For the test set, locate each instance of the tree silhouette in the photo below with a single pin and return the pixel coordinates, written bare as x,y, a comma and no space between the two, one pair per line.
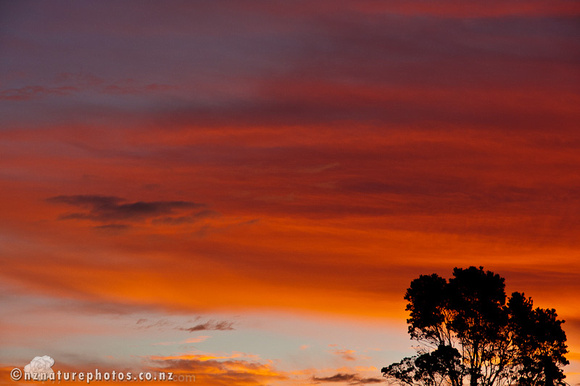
470,335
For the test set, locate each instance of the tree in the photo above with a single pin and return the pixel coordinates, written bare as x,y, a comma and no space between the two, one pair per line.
470,334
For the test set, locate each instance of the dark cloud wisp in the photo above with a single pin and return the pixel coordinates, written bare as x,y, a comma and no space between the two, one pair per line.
210,325
111,208
349,379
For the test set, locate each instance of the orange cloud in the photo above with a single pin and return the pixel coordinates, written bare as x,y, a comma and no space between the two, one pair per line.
219,369
345,354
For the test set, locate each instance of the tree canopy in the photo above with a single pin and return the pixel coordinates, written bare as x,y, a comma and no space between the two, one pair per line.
470,333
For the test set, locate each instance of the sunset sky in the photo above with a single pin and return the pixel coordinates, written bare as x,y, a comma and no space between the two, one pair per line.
243,190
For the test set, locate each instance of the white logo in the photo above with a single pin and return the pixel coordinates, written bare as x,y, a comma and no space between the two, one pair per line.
39,369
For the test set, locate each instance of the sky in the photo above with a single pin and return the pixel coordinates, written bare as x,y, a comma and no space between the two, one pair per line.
243,191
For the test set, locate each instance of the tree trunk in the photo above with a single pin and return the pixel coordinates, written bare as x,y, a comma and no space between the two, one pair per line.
473,376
